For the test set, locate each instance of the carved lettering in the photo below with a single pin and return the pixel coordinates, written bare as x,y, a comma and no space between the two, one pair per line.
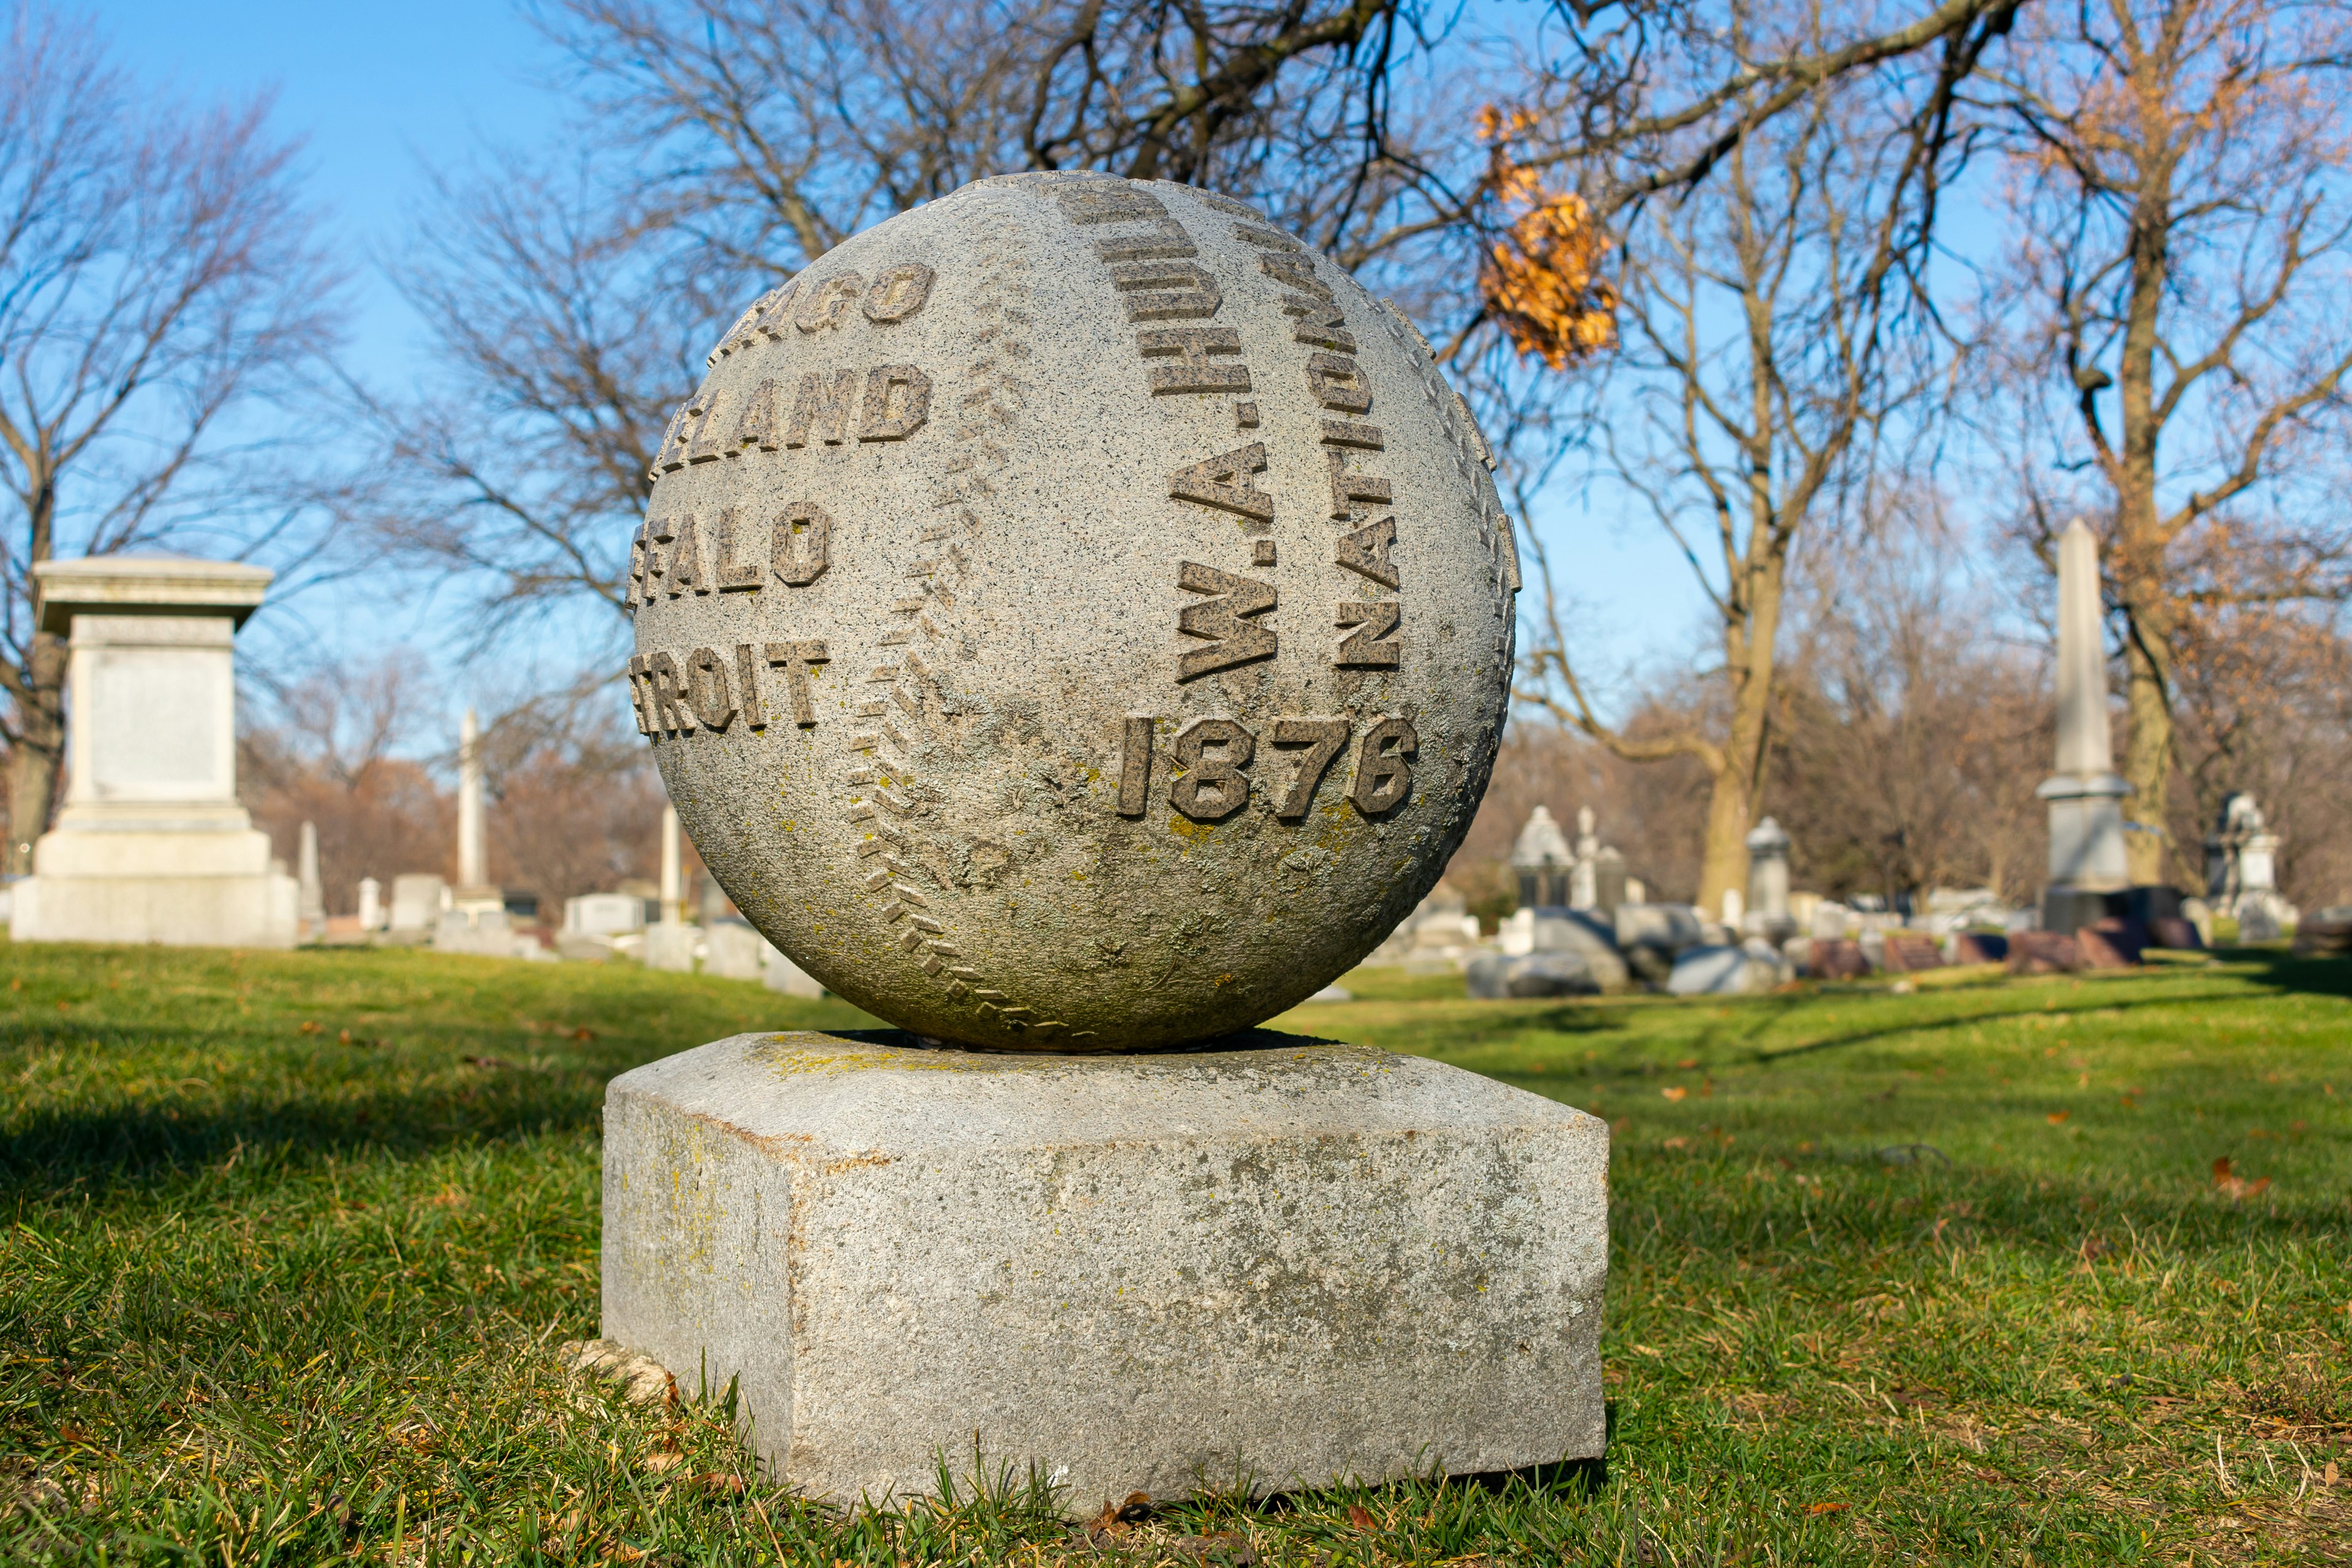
729,570
1166,242
1337,383
1218,620
1295,269
795,658
802,546
1347,486
1319,323
1223,481
1372,645
901,386
1106,200
670,702
823,306
677,437
640,700
1228,204
1325,738
779,312
706,687
639,546
1135,764
899,292
823,407
1192,372
1266,239
1384,776
764,317
656,532
746,686
1246,415
761,424
1262,553
684,566
1211,787
1366,552
1166,291
1348,433
709,444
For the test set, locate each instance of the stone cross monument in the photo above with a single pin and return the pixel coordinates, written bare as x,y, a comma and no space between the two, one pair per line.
150,845
1073,622
2087,867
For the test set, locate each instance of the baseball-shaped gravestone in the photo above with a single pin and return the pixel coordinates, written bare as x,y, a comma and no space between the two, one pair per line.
1074,615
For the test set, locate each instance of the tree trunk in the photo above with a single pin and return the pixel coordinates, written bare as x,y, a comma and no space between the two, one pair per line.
1747,648
2148,755
37,759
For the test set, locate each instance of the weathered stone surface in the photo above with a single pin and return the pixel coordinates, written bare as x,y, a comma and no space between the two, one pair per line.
1297,1260
1007,577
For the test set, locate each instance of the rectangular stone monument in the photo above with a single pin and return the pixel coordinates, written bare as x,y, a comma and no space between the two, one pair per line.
417,900
1284,1260
150,845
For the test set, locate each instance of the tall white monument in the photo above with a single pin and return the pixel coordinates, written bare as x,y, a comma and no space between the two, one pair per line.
151,844
311,921
2085,795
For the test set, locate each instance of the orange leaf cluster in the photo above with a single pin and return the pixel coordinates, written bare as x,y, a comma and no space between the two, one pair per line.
1542,279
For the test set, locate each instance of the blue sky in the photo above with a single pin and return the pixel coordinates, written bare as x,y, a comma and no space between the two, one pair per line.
380,93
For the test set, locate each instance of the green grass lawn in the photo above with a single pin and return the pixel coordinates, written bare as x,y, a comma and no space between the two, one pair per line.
1944,1277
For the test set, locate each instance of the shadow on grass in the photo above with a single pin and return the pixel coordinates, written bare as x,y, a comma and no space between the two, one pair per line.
2089,1004
2285,972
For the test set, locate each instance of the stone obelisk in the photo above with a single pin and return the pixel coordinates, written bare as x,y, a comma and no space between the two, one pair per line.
2087,867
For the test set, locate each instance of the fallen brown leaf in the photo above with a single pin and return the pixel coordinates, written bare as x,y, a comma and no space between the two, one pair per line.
308,1027
1687,1063
2058,1116
1675,1092
1821,1508
2235,1187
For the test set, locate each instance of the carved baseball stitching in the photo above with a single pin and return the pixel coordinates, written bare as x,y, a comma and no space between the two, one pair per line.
990,406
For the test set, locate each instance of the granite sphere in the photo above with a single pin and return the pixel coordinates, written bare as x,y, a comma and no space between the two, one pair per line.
1074,615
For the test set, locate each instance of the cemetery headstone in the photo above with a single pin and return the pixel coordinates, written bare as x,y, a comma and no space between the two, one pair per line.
1907,953
417,900
374,915
1836,959
1491,976
151,844
1768,883
1074,622
2087,864
2043,952
2327,934
1542,861
781,974
1980,947
2110,944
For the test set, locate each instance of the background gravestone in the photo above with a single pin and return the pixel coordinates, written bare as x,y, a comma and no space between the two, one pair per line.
151,844
1074,619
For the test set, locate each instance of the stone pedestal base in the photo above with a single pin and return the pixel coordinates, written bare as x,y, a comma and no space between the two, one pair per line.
1292,1263
200,887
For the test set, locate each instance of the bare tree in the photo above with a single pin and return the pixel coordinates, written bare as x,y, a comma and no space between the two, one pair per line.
729,143
1766,321
156,280
2182,245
